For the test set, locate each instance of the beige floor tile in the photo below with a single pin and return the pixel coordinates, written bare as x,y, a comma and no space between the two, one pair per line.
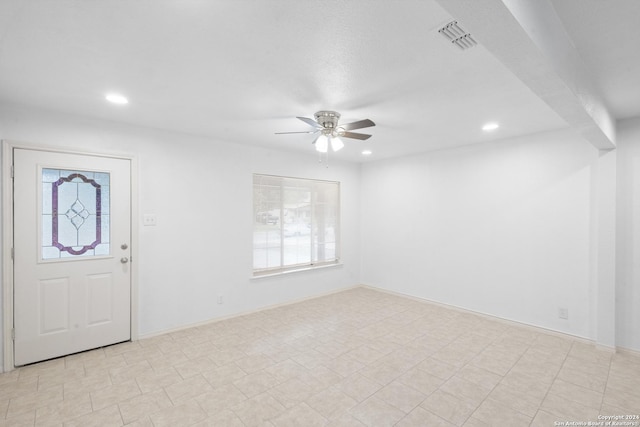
358,387
459,386
528,384
256,383
596,381
452,408
258,409
73,405
496,414
494,361
188,389
89,383
125,373
286,370
59,377
346,420
354,358
154,380
143,405
254,363
100,366
454,354
18,387
624,382
299,415
311,358
31,402
331,403
589,353
364,354
479,376
381,373
401,396
111,395
536,368
565,408
322,376
36,369
109,416
344,366
420,417
576,393
26,419
220,399
225,418
144,422
545,419
291,392
183,415
192,367
438,368
519,400
421,381
474,422
374,412
225,374
630,402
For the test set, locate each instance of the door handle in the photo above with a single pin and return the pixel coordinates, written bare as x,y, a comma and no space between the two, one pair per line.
124,260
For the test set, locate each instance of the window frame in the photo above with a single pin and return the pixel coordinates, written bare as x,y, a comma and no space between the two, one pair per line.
313,186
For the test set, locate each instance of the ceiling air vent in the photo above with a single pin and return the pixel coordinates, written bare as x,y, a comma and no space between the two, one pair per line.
456,35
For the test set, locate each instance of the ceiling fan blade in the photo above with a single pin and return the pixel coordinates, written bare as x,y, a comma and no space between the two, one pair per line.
309,121
286,133
355,135
357,125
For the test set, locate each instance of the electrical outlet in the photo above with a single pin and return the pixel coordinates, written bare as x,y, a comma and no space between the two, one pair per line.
563,313
220,299
149,220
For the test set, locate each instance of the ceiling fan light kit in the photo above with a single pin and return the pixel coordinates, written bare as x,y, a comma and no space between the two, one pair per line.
330,133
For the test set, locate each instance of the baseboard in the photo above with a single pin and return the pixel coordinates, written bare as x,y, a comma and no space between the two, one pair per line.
510,322
242,313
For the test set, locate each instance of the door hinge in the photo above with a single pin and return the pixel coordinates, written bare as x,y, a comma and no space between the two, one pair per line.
12,171
13,254
13,334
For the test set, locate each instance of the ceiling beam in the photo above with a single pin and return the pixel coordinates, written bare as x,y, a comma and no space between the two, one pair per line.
529,39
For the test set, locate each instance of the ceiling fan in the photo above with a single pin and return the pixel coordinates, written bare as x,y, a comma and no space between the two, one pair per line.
329,132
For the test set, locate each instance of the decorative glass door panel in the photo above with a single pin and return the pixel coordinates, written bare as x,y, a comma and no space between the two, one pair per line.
75,213
70,207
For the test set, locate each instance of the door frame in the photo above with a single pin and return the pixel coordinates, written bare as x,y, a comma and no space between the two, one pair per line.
7,239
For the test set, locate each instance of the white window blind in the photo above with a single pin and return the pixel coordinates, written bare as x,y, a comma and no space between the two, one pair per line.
296,223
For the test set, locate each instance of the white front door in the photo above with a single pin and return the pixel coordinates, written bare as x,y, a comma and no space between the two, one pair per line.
72,232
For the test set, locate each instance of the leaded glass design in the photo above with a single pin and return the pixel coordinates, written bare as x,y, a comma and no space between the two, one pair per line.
75,213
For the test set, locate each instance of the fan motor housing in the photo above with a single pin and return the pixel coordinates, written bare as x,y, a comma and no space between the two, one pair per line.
327,119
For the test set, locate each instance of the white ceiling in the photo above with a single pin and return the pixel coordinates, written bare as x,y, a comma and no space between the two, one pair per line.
241,70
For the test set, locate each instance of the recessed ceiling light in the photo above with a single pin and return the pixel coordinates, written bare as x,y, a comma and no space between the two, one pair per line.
367,152
116,98
490,126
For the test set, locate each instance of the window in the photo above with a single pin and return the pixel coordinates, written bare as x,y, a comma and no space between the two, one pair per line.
75,213
296,223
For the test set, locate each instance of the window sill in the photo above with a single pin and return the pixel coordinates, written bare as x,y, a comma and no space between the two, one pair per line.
298,270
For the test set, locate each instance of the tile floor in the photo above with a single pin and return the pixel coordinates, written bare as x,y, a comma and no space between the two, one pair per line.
355,358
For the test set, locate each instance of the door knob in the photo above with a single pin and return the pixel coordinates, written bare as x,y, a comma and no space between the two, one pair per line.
124,260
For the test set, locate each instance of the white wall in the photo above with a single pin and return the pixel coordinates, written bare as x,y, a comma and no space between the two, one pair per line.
628,238
502,228
201,192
